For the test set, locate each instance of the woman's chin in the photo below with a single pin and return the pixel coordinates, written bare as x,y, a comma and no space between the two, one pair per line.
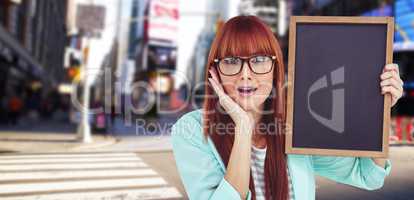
248,106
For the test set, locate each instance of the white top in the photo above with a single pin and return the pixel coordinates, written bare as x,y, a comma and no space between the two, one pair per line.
258,160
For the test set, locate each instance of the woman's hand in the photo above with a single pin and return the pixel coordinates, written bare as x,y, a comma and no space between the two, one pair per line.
243,120
238,168
391,82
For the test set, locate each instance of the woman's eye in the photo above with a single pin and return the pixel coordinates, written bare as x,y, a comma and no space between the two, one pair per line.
258,59
231,61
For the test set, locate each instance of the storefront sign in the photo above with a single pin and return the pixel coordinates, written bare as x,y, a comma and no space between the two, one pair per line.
163,20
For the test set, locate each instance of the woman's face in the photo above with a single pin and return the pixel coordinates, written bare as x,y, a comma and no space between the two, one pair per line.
247,88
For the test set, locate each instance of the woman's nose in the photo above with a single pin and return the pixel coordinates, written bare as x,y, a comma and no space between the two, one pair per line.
246,73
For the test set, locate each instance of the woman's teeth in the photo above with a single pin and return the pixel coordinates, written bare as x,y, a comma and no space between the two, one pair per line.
246,91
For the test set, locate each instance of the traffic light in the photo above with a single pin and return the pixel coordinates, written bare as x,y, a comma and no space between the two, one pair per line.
73,72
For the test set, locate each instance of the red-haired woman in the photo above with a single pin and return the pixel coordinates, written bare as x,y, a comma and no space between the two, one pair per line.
234,147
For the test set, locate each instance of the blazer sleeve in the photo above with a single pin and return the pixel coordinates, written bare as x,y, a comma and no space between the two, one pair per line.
199,170
356,171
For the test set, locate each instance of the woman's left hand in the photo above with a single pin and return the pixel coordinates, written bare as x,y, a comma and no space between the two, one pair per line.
391,82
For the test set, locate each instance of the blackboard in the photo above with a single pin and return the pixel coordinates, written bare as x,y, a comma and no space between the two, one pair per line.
334,104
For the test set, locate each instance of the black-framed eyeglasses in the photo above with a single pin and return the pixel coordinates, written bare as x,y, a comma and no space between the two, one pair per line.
258,64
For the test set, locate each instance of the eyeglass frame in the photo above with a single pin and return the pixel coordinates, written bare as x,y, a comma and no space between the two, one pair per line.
243,59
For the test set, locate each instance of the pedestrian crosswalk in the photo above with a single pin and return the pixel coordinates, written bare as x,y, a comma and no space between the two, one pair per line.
81,176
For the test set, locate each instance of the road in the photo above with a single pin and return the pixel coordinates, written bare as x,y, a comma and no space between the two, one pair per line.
152,175
87,175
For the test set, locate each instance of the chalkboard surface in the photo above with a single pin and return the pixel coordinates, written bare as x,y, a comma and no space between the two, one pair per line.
335,106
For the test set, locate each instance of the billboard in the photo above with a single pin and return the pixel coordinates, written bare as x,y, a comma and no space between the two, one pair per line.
163,20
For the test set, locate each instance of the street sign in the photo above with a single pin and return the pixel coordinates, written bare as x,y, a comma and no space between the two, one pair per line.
334,105
90,19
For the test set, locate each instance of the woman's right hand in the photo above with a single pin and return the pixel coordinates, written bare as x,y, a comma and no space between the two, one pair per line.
243,120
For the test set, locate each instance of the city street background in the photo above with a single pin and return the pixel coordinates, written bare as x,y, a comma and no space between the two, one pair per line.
89,90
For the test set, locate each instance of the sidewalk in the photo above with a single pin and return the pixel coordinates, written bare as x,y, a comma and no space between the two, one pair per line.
47,135
139,144
56,135
29,142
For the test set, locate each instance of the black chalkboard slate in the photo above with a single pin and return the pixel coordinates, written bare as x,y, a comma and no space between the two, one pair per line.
335,106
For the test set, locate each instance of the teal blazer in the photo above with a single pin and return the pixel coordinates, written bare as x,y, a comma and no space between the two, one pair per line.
202,170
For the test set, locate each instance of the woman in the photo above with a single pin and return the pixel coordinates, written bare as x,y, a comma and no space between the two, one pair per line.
238,152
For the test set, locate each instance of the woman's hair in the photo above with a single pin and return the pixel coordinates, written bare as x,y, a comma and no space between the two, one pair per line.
245,36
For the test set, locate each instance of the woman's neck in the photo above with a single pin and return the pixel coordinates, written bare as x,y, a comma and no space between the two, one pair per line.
257,114
258,138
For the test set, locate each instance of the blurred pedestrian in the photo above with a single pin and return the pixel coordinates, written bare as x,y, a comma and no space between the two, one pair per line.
15,107
3,111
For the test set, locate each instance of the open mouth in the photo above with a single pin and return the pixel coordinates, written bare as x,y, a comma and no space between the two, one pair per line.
246,91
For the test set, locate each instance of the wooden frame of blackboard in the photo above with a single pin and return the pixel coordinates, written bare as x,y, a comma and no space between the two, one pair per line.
289,148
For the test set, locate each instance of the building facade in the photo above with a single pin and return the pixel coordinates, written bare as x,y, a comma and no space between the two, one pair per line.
34,33
32,42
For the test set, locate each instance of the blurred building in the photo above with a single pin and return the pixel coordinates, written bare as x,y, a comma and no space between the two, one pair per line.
38,26
32,42
147,45
334,7
267,10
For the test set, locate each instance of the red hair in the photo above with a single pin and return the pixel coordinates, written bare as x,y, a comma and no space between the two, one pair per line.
245,36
